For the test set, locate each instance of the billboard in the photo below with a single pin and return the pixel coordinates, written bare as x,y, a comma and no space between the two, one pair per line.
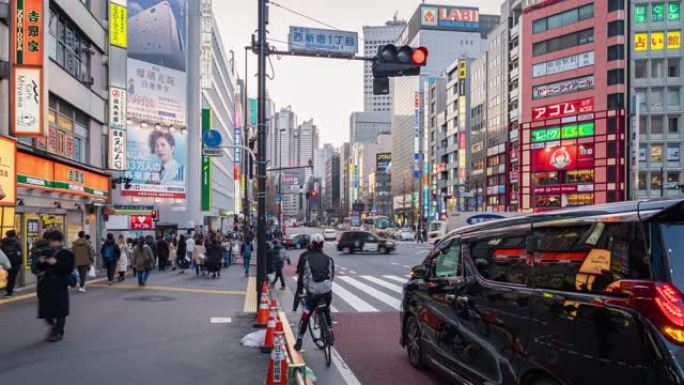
446,17
563,87
8,172
563,158
563,64
156,98
559,110
382,161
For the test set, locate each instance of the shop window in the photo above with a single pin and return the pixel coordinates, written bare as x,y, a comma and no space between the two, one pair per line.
616,52
611,149
657,98
643,175
673,67
546,178
657,12
673,97
547,201
673,176
673,152
611,196
657,124
582,199
615,5
674,11
616,76
579,176
616,100
641,69
656,153
502,258
657,68
641,95
611,174
616,28
68,47
673,124
589,258
642,151
611,125
656,180
643,124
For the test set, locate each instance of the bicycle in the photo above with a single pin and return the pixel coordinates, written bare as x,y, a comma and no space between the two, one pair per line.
319,329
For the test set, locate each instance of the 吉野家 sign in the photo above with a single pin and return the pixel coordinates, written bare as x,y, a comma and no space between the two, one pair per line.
570,131
27,32
562,109
118,15
117,149
563,87
314,40
117,108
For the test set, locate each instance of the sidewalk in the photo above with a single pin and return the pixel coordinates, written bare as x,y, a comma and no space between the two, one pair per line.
127,335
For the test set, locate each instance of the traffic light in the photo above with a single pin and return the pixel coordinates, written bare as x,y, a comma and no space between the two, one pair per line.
154,214
678,187
391,61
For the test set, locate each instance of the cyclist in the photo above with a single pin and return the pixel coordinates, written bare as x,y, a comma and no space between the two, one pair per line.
315,271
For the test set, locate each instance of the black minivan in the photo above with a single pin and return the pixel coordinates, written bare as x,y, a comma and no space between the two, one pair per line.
363,241
583,296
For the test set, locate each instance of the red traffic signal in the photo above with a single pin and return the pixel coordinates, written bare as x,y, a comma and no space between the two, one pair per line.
154,214
419,56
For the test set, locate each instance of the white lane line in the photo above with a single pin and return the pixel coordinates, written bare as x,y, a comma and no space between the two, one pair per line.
343,268
344,370
352,271
406,266
220,320
393,302
385,284
333,309
357,303
394,263
407,276
395,278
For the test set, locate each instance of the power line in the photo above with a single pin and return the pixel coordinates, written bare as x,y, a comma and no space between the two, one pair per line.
307,17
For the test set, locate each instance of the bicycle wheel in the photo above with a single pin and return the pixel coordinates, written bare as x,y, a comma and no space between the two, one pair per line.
315,330
325,337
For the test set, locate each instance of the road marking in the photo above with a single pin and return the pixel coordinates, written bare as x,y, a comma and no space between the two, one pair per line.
393,302
395,278
250,304
407,276
382,283
357,303
343,268
352,271
220,320
5,300
394,263
346,373
406,266
171,288
333,309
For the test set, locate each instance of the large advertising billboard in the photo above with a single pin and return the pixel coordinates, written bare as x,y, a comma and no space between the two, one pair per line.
157,98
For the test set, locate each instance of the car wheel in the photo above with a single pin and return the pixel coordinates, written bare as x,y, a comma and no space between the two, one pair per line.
387,250
299,245
347,250
414,344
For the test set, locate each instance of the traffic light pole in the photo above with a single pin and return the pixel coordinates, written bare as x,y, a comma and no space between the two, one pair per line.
261,144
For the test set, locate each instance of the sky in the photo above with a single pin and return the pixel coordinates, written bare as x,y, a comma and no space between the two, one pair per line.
327,90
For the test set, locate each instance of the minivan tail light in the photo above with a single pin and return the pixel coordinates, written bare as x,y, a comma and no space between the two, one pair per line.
660,302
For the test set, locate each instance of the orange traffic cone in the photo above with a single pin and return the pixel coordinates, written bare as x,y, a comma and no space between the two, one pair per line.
263,313
264,288
267,346
277,365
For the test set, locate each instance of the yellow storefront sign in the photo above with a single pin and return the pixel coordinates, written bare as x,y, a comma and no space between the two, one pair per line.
657,41
8,172
674,39
118,27
640,41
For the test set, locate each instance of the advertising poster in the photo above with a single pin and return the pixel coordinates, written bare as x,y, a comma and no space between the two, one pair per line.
382,161
563,87
27,101
563,158
156,98
8,173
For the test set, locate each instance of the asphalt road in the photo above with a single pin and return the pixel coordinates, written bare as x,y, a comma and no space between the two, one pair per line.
366,302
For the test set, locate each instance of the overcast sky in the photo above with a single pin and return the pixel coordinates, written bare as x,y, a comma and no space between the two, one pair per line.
324,89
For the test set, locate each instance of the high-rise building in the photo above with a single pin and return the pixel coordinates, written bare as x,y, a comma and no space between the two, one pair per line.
364,127
446,42
283,139
333,185
436,143
345,178
656,115
306,142
373,37
363,164
572,131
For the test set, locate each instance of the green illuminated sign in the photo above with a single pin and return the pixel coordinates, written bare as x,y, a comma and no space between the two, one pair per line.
566,132
640,16
673,11
657,12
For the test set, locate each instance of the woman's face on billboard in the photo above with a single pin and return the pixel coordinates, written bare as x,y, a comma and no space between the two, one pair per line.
163,149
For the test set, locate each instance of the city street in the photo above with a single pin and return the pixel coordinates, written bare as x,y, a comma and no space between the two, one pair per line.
366,301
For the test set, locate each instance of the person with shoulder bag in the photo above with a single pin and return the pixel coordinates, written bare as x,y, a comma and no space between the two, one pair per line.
110,255
85,256
56,265
143,260
12,248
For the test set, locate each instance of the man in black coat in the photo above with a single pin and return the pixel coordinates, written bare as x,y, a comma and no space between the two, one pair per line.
55,268
162,253
12,248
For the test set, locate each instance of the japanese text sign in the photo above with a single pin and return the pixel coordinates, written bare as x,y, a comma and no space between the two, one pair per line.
303,39
27,17
117,25
141,222
558,110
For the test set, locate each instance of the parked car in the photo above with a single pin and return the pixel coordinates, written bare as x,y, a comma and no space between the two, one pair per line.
591,295
405,234
329,234
296,241
363,241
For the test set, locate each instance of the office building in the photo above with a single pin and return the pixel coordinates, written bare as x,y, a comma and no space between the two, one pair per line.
306,142
373,37
364,127
333,189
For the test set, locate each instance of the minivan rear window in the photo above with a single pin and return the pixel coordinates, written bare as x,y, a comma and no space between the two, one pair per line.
673,242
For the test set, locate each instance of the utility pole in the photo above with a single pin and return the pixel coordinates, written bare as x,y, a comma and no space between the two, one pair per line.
261,140
247,161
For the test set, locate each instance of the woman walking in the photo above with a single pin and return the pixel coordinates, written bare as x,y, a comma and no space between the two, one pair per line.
173,253
143,260
214,257
198,255
124,259
246,251
181,254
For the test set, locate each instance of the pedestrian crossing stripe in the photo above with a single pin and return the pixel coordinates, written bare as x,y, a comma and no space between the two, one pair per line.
391,301
380,282
357,303
395,278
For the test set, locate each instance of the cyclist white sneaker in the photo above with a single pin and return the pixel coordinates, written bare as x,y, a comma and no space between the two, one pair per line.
81,290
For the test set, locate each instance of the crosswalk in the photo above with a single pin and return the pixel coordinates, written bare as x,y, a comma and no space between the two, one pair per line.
367,293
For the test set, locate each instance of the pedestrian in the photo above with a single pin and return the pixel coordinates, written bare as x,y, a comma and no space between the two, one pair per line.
198,255
279,258
225,245
124,259
55,266
153,246
132,243
181,254
173,253
189,250
162,253
12,248
214,257
110,255
143,260
246,251
85,257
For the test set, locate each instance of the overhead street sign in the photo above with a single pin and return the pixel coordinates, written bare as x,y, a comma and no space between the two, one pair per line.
324,41
212,151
